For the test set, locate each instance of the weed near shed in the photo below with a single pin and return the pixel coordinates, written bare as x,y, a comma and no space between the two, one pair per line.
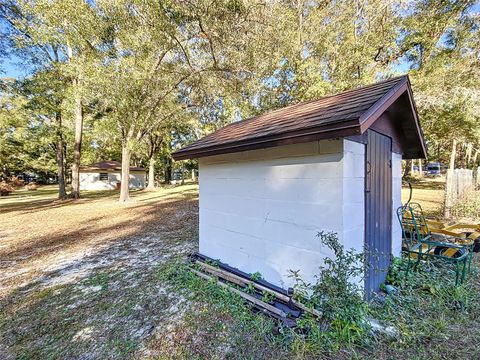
468,206
436,319
433,318
215,321
220,324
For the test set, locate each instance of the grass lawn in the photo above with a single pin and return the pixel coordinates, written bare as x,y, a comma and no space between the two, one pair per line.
86,279
429,193
77,278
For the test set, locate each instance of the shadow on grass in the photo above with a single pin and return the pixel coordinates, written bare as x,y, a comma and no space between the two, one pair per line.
102,303
41,191
146,218
425,183
44,199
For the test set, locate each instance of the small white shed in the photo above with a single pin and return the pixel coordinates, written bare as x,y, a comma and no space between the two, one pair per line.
270,183
107,175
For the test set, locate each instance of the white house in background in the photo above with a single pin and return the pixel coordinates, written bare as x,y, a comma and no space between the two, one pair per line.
270,183
106,175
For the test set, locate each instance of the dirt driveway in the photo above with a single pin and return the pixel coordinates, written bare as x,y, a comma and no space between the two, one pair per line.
77,278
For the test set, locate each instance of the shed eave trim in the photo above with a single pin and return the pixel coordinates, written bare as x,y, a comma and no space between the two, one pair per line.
272,141
376,110
417,122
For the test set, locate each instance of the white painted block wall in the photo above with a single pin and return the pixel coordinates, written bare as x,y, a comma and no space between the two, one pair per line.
353,195
261,210
91,181
396,203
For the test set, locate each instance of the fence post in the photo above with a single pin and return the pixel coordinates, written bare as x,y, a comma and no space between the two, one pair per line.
449,182
457,182
453,155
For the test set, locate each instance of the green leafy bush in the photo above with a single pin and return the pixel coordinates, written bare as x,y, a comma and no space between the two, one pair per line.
337,294
426,310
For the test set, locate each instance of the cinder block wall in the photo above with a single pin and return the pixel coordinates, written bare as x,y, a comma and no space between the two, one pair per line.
353,195
396,203
137,180
261,210
91,180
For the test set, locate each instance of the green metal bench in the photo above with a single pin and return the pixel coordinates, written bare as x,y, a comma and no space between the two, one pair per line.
420,244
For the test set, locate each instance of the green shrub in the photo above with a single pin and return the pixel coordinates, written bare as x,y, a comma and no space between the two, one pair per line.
334,294
425,309
337,294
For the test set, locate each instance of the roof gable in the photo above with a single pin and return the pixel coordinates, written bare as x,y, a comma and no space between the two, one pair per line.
348,113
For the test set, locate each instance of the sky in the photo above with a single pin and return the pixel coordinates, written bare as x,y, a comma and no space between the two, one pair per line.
12,66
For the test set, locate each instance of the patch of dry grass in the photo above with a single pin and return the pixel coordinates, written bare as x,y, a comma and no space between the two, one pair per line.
467,208
39,232
429,193
78,277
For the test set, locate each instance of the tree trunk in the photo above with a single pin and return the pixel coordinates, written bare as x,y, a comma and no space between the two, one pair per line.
420,168
77,147
408,167
151,174
124,190
168,170
469,154
62,193
6,172
453,155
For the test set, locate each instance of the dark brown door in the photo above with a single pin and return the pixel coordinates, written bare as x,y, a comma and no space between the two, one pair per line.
378,210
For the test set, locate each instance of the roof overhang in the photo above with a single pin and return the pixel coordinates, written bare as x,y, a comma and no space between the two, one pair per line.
408,117
296,137
407,110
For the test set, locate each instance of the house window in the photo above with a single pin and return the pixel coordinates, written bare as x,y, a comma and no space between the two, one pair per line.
104,176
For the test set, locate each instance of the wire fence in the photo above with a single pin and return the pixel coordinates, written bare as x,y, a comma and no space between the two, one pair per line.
458,182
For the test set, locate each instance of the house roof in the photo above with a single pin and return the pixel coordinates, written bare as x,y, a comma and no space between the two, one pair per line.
348,113
108,165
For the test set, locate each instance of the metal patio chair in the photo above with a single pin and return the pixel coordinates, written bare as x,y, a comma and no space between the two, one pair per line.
420,244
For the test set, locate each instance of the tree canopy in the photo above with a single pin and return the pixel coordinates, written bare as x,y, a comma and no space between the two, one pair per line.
138,79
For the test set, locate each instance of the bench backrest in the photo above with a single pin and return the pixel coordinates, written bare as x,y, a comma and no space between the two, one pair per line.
413,223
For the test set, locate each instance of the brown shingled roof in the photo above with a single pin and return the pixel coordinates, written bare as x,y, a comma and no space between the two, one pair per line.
108,165
344,114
